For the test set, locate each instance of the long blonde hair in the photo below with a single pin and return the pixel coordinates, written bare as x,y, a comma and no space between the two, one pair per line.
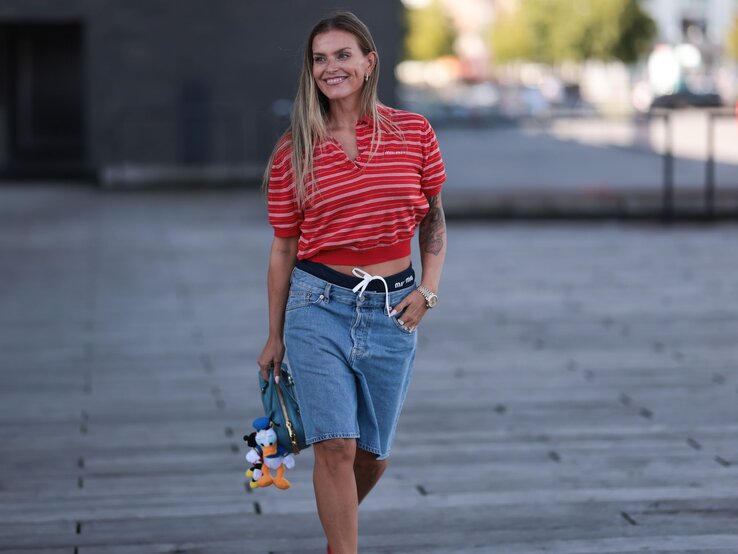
308,124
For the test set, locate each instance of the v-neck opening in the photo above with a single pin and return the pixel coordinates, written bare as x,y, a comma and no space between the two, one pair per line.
360,153
361,128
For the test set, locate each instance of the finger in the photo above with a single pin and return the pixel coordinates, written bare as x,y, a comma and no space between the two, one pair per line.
277,370
408,312
401,306
406,302
263,371
412,315
408,323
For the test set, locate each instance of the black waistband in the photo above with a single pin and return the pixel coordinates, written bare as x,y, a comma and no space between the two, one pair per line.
397,281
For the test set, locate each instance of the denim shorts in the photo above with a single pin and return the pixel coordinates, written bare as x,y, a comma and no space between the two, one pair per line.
350,361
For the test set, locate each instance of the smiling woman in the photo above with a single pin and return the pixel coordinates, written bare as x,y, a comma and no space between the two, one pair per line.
348,185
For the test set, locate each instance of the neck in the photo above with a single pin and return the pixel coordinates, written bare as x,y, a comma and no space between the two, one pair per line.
344,113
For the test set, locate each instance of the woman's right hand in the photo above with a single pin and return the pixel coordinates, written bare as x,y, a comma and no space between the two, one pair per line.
271,358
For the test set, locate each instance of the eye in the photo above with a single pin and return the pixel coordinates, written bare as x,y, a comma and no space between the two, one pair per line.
344,56
318,59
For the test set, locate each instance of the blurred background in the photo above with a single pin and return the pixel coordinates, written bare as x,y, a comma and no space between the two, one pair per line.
615,100
512,58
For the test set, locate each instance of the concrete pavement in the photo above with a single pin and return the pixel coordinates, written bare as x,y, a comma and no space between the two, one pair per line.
575,391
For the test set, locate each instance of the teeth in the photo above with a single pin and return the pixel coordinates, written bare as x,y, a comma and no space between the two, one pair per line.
335,80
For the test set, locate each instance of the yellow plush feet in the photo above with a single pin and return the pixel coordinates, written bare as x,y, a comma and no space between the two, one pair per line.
253,477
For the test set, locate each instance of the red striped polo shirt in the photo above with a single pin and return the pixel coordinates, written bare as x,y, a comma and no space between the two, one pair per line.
365,211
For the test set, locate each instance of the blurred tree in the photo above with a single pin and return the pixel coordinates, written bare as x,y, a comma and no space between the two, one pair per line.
513,37
631,31
552,31
429,33
732,43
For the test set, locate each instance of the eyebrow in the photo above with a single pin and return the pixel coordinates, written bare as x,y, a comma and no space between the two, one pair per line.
336,52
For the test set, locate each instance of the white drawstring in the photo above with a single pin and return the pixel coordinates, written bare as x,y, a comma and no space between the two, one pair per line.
368,278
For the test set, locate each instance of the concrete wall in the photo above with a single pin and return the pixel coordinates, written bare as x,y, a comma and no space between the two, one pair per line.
193,83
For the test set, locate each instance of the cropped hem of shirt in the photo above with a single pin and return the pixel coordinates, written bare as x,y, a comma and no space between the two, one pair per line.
286,233
348,256
365,208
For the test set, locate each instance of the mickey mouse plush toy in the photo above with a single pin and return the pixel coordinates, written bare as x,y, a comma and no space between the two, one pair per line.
268,458
254,472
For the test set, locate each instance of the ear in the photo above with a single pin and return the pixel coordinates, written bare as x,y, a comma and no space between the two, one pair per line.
371,59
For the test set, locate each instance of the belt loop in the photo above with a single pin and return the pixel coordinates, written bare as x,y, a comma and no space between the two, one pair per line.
327,292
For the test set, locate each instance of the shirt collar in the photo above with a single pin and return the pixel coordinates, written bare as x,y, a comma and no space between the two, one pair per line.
368,119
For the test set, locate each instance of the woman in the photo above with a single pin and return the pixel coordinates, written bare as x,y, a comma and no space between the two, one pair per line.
347,185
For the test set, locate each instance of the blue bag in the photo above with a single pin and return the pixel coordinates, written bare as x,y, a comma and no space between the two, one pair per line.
280,406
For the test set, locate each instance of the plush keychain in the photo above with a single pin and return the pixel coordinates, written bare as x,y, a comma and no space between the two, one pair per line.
254,472
268,459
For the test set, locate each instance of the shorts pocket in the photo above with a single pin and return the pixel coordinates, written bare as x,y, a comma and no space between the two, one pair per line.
301,298
400,327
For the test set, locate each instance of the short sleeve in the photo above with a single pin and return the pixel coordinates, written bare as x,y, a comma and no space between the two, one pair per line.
433,173
284,215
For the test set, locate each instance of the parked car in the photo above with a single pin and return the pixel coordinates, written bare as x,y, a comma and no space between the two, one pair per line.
686,99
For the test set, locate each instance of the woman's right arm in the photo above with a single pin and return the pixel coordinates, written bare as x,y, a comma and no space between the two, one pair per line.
282,260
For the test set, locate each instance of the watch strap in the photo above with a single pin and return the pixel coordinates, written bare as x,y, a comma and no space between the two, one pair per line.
427,294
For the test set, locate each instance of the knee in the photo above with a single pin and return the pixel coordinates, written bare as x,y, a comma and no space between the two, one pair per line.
335,452
368,464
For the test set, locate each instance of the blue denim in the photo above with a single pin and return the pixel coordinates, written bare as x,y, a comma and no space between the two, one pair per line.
350,361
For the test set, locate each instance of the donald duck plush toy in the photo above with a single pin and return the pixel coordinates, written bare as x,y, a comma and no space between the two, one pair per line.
268,458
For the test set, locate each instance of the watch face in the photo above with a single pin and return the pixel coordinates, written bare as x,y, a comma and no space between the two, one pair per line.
432,300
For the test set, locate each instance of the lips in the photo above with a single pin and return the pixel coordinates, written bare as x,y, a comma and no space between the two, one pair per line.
336,80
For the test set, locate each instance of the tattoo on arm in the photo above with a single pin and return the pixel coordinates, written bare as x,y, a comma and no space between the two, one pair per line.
433,228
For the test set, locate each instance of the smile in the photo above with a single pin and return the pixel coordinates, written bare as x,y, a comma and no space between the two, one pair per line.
336,80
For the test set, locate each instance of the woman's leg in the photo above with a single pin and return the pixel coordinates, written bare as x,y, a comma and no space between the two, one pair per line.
367,471
336,493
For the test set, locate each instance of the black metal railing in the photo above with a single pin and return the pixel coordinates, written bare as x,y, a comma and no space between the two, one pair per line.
667,197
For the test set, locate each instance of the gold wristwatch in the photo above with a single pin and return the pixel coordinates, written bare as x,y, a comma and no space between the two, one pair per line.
431,298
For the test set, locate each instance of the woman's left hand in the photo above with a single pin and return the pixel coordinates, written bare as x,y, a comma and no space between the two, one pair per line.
414,309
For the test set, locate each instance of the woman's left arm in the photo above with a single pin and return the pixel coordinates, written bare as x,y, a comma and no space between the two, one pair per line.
432,238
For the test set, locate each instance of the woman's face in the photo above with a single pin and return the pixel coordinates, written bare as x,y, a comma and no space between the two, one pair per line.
339,65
